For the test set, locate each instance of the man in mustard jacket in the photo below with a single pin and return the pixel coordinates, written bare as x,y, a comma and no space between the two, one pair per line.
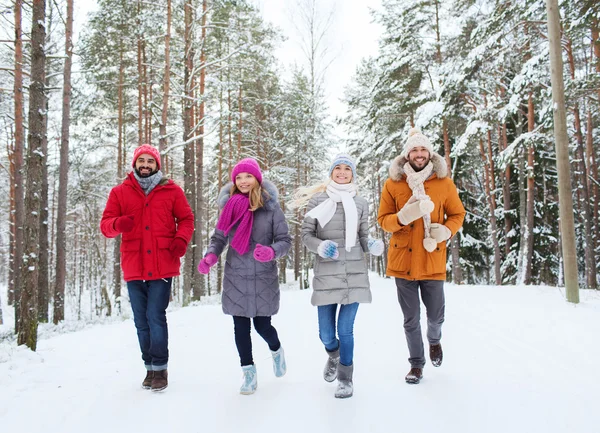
421,208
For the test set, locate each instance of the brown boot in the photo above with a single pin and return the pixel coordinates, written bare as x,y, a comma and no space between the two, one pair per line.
147,383
435,354
414,376
160,381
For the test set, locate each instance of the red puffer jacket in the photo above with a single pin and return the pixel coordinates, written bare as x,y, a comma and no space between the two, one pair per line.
159,218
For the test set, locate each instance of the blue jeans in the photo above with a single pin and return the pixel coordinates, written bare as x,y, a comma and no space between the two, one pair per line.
149,300
243,341
345,330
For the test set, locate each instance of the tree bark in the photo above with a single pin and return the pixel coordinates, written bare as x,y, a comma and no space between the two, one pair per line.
14,294
166,86
61,217
120,159
528,256
28,320
567,225
188,150
199,287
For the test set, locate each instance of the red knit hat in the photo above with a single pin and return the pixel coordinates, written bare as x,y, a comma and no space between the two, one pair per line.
247,165
150,150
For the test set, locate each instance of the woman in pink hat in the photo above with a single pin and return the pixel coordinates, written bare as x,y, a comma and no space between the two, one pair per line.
253,225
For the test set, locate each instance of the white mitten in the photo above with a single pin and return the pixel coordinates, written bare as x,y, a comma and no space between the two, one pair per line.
376,246
429,244
414,211
440,232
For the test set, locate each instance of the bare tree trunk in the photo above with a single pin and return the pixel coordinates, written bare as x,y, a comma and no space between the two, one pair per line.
188,150
120,159
489,192
166,85
240,122
506,196
584,203
28,320
530,194
12,223
199,287
140,101
567,225
592,167
15,294
61,217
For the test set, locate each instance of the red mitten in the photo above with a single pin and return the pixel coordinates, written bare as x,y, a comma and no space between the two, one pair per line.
206,263
263,254
124,224
178,247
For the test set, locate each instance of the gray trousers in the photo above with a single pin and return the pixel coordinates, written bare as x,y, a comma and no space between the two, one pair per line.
432,293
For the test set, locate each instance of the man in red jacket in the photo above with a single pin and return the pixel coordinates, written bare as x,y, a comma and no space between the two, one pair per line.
157,223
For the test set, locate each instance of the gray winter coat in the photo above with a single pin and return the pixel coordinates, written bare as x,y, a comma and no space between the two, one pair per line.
251,288
344,280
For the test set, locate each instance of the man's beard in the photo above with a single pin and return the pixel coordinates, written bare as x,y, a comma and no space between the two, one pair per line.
142,175
416,168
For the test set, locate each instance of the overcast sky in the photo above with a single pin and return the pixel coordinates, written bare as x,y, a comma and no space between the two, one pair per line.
352,36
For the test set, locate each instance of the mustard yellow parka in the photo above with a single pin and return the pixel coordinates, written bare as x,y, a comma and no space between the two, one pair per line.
407,258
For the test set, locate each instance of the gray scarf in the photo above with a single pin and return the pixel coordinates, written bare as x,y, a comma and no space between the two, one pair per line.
150,182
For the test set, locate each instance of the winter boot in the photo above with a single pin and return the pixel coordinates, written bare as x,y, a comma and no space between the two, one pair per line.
435,354
330,371
345,386
414,376
159,382
279,366
250,383
147,383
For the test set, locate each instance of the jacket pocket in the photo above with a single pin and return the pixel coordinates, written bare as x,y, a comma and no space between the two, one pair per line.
399,254
436,260
167,263
131,262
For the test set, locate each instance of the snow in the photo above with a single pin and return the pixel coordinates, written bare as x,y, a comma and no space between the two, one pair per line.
517,359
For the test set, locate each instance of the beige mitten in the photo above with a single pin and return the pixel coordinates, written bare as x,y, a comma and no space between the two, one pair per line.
440,232
413,211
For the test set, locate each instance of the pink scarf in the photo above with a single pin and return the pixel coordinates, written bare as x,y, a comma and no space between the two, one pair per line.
237,209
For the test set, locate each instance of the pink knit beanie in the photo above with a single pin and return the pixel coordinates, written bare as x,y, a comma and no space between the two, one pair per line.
247,165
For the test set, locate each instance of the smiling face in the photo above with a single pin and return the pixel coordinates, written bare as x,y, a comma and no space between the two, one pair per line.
418,158
342,174
145,165
245,182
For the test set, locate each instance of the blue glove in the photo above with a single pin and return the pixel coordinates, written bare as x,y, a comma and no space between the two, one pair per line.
376,246
328,250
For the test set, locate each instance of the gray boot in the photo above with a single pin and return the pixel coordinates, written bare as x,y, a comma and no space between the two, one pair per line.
345,387
330,371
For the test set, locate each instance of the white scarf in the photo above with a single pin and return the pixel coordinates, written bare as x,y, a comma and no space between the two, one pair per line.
415,181
324,212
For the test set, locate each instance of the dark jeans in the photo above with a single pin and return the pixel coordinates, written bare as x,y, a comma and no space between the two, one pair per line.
241,328
432,293
149,301
345,330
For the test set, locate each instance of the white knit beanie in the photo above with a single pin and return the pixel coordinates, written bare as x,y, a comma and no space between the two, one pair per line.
416,139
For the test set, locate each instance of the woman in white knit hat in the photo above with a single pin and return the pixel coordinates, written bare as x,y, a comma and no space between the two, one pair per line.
335,228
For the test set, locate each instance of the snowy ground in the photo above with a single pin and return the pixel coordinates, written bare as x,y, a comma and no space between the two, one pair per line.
516,359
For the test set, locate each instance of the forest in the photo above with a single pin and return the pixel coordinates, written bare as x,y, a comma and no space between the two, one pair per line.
199,79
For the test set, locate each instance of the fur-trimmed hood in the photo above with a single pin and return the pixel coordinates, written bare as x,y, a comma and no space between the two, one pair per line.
397,167
270,201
